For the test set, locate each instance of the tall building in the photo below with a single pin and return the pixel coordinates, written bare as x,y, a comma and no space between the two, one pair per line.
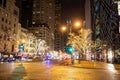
104,25
44,13
41,32
9,26
25,10
58,34
87,15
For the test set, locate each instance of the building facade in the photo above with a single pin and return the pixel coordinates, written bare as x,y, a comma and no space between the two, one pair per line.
58,33
118,2
44,13
87,15
105,27
9,26
41,32
27,39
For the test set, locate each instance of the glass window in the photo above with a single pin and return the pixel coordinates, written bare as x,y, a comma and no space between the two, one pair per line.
6,20
119,8
38,11
50,4
97,7
14,25
6,14
15,12
119,11
33,22
33,12
2,19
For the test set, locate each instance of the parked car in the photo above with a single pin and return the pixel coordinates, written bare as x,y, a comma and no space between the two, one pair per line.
7,58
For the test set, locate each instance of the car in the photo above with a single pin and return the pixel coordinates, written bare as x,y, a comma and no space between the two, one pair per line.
7,58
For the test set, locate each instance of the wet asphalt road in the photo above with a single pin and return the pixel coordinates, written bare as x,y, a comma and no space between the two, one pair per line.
48,71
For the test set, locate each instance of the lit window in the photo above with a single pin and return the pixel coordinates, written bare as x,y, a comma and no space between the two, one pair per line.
118,6
6,14
50,3
97,7
119,11
50,17
34,5
33,12
33,22
42,12
38,11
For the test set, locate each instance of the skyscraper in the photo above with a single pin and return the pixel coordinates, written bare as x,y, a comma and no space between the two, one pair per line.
58,34
44,13
41,14
25,12
104,25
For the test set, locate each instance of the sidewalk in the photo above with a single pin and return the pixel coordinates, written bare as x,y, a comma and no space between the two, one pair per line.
96,65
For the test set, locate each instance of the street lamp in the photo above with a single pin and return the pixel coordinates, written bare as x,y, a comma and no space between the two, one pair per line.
75,24
70,25
23,41
63,28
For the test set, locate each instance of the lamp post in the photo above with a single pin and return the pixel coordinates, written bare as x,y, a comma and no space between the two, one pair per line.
75,24
70,26
69,22
63,29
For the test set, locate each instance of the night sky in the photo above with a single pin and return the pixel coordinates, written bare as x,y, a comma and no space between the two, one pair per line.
72,9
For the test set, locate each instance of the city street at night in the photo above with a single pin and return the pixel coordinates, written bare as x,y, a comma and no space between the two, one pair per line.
48,71
59,39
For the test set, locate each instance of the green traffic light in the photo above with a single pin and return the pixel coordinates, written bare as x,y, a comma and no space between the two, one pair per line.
69,49
21,47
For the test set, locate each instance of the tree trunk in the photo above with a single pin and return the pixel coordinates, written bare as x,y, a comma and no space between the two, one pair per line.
79,59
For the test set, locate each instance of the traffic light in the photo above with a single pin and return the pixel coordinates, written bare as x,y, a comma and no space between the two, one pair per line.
21,47
69,49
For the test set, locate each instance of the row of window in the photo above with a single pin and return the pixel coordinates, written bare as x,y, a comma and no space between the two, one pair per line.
10,23
6,29
3,19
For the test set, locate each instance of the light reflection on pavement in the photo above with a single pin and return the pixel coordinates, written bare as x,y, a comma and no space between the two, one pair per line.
111,68
48,71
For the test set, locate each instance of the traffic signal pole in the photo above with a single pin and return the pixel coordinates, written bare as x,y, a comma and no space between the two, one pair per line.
69,50
72,59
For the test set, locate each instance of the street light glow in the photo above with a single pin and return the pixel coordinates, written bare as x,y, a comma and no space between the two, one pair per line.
77,24
63,28
23,41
